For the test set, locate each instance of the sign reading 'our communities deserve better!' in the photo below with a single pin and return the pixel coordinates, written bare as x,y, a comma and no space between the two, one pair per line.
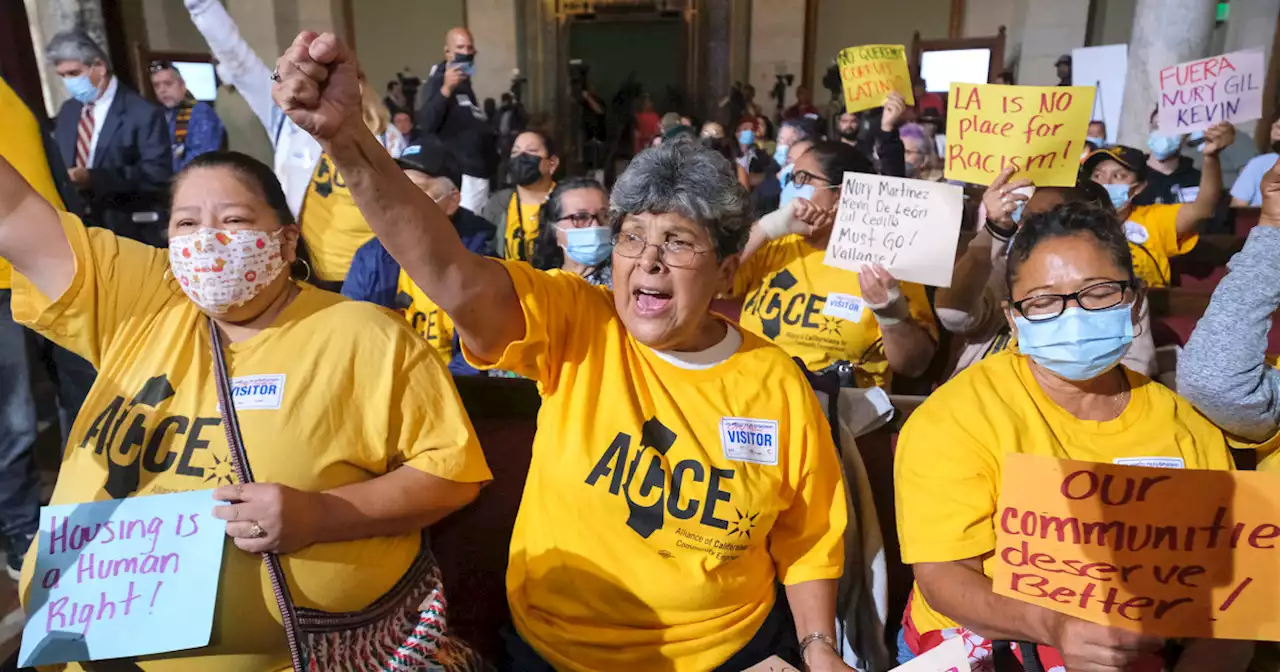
1168,552
122,578
908,226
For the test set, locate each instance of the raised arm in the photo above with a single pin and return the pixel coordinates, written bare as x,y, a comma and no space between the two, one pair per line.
320,92
1223,369
31,237
1192,215
237,62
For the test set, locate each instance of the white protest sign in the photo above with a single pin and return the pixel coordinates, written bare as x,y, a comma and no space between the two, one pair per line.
773,664
949,656
1199,94
908,226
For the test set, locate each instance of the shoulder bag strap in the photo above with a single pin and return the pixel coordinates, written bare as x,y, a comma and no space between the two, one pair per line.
240,461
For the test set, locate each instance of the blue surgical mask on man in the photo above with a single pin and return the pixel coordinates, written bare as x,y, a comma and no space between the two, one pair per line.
588,246
780,154
1079,344
81,88
746,137
1119,194
1162,146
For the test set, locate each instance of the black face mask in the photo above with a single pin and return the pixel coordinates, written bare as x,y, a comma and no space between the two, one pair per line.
525,169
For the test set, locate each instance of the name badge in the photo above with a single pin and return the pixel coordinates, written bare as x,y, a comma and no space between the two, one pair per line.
1188,194
844,306
1136,233
1161,462
258,392
750,440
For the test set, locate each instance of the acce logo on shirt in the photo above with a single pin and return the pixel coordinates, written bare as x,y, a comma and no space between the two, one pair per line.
802,310
133,437
644,487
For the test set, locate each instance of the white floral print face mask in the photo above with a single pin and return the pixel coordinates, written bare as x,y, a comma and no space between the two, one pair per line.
220,270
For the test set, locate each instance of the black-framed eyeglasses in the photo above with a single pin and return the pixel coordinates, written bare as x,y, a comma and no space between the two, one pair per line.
803,178
157,66
582,220
674,253
1099,296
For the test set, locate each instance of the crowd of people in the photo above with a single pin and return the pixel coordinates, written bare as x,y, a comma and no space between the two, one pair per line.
688,504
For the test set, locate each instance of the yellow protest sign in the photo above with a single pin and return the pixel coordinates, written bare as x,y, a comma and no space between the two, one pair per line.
1169,552
871,72
1040,130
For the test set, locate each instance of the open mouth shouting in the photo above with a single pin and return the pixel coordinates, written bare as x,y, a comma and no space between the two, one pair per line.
651,302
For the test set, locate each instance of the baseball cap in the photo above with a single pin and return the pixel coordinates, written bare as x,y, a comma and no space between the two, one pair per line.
1064,59
1130,158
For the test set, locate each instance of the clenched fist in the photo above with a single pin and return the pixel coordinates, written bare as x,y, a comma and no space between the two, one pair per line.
319,86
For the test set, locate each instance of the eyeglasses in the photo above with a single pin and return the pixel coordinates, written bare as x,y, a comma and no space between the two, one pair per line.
803,178
1100,296
674,253
157,66
583,220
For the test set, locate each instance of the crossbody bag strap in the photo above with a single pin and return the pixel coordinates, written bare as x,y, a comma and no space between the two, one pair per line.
240,462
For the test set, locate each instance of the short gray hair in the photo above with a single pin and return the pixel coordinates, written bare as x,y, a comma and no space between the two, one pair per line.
683,178
75,45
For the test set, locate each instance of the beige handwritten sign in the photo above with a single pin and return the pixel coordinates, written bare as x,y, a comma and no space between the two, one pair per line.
772,664
908,226
1169,552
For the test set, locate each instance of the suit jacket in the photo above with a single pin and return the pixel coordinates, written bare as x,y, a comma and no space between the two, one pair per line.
132,165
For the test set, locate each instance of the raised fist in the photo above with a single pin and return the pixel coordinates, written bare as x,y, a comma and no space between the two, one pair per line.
319,86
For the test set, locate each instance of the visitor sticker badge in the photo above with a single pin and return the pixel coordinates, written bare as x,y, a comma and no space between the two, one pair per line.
750,440
258,392
1159,462
844,306
1135,232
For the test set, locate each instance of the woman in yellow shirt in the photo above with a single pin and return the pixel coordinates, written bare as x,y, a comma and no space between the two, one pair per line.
681,469
1073,308
515,212
829,317
357,440
1158,232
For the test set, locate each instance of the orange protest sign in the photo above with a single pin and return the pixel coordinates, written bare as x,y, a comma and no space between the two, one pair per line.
1169,552
1040,130
871,72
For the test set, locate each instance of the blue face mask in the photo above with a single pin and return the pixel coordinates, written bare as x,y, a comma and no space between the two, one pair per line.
81,88
746,136
792,191
1079,344
588,246
1163,146
1119,194
780,154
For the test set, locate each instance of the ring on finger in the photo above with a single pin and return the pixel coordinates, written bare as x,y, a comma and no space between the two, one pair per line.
275,75
256,531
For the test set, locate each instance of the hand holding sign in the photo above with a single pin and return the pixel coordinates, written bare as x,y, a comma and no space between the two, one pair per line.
1218,137
268,516
1089,646
1003,198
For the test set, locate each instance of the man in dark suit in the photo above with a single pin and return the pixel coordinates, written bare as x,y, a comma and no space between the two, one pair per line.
114,142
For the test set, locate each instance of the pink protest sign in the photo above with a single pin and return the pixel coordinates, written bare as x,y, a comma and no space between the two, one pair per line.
1199,94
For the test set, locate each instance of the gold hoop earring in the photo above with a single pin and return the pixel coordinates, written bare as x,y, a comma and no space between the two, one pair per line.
308,267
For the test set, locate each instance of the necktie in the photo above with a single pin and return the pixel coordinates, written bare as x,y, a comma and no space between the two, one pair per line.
84,136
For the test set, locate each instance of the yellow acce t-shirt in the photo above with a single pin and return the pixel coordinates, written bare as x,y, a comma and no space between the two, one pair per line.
1152,231
523,227
662,503
332,226
947,467
426,317
815,312
21,146
333,392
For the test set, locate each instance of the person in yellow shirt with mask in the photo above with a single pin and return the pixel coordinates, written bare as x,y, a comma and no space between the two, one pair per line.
1158,232
356,441
681,467
1073,306
515,212
830,317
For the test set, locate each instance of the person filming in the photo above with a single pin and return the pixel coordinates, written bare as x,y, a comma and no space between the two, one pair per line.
451,112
